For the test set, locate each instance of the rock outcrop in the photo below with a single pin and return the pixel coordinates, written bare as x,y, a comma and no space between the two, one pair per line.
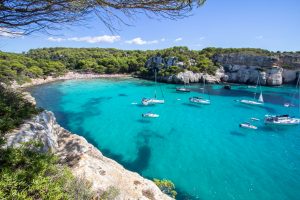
84,159
272,70
237,68
191,77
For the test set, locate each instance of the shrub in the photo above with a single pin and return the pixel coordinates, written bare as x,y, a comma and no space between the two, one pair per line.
28,174
166,186
13,110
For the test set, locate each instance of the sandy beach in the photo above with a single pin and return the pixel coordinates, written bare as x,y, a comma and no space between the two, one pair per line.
68,76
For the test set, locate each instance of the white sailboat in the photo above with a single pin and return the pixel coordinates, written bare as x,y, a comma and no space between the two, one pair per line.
254,102
183,89
200,100
152,101
290,104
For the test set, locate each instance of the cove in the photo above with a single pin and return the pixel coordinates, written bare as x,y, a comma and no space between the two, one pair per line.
200,148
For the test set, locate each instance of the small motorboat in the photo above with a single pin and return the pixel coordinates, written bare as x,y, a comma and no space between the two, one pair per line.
288,105
227,87
199,100
151,101
248,125
150,115
251,86
255,119
281,120
183,89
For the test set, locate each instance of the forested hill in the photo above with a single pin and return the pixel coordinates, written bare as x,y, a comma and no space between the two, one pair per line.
56,61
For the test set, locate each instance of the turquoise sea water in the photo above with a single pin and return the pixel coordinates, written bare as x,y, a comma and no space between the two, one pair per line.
200,148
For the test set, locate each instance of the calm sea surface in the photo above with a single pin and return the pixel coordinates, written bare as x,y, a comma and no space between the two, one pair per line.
200,148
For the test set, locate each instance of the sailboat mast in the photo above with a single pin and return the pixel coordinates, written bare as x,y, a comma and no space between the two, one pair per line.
203,84
256,87
298,85
155,82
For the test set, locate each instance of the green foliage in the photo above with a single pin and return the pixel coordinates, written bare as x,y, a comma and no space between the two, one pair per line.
110,193
56,61
170,71
21,68
166,186
204,64
28,174
13,110
211,51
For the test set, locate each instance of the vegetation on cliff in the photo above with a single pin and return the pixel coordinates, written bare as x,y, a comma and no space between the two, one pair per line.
13,110
166,186
25,172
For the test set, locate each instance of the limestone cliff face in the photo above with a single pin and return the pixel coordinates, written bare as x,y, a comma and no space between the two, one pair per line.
238,68
191,77
272,70
84,159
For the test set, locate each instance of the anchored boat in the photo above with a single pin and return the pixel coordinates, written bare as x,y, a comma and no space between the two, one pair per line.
183,89
248,125
290,104
254,102
150,115
200,100
281,120
151,101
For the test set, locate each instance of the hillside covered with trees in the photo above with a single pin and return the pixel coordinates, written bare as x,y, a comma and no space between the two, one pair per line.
56,61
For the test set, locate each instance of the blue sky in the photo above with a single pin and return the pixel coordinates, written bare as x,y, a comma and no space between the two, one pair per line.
272,25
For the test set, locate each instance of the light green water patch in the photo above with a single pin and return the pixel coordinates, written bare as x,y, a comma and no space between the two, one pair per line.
201,149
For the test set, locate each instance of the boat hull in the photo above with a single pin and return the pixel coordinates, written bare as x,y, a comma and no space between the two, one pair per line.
183,90
248,126
152,102
253,103
200,101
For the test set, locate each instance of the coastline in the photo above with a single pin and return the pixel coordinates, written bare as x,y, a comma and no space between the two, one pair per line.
83,159
68,76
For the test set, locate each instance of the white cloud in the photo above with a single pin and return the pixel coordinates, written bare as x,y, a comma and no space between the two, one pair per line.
202,38
163,39
178,39
259,37
53,39
88,39
140,41
4,32
97,39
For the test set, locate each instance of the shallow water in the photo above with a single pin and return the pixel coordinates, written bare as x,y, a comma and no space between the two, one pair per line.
200,148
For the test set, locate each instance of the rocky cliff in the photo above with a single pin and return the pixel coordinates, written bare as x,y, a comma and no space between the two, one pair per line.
84,159
239,68
191,77
272,70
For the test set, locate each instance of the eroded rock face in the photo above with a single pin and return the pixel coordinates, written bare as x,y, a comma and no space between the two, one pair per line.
191,77
84,159
272,70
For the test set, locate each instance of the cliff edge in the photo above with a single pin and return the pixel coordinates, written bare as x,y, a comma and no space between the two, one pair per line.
84,159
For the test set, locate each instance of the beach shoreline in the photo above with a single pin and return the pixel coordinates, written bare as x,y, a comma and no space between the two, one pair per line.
68,76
